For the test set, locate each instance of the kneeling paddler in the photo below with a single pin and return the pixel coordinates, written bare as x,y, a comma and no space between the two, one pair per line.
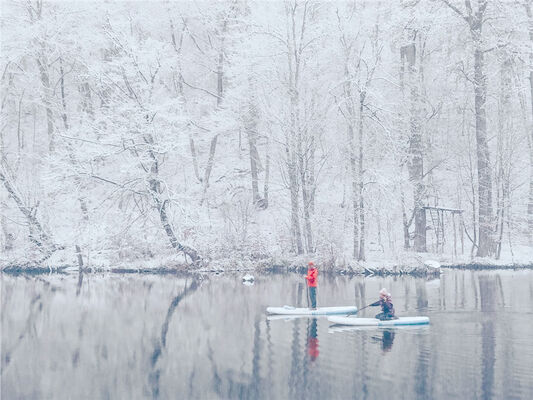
387,308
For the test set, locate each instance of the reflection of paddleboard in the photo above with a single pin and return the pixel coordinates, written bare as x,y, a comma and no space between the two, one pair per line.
350,328
288,310
281,317
377,322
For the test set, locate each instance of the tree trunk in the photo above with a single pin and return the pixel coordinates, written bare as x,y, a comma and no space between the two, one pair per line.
405,223
83,204
355,189
306,200
178,44
361,256
194,158
475,20
504,154
220,77
42,63
161,205
7,245
295,218
530,133
303,167
293,149
209,166
530,197
251,132
292,154
484,169
220,96
267,174
416,159
311,185
86,98
354,176
41,239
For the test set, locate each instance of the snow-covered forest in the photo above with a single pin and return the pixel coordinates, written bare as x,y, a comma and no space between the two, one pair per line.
146,132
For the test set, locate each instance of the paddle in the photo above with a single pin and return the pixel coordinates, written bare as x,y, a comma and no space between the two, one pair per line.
307,287
362,308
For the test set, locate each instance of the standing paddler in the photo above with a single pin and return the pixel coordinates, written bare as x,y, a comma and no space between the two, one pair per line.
312,282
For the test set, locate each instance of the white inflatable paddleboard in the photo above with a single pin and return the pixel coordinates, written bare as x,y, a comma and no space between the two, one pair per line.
288,310
377,322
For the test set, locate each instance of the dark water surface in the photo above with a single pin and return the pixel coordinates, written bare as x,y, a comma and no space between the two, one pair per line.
138,336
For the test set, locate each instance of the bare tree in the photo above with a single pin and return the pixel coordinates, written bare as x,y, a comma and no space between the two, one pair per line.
144,147
527,5
35,13
411,78
475,18
37,234
359,70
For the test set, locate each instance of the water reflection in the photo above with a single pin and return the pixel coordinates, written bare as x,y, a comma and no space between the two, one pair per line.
312,339
160,344
295,377
386,339
142,337
488,293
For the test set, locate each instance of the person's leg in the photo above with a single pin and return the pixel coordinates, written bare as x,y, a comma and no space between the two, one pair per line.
312,294
380,316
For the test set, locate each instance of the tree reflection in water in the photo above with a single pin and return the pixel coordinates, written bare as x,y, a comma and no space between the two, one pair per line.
160,345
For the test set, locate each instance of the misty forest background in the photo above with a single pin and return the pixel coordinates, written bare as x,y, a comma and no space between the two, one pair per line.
143,132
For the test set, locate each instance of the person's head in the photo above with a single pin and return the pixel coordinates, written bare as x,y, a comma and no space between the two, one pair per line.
383,294
311,264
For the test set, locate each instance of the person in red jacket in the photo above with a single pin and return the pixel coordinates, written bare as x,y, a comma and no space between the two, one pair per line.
312,282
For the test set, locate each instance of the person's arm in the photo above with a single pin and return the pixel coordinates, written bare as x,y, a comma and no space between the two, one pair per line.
311,275
377,303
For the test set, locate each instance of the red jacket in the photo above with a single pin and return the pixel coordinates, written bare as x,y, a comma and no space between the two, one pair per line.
312,277
312,348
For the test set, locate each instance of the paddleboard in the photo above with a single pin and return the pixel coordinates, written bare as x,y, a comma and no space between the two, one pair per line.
377,322
288,310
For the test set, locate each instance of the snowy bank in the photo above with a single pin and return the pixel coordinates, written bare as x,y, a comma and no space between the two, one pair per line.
403,263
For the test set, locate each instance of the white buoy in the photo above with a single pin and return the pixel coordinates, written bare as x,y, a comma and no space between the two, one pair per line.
248,278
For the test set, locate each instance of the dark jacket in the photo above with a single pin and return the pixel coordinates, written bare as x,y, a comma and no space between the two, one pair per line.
386,306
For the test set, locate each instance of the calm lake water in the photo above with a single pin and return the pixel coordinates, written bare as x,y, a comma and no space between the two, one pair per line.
139,336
